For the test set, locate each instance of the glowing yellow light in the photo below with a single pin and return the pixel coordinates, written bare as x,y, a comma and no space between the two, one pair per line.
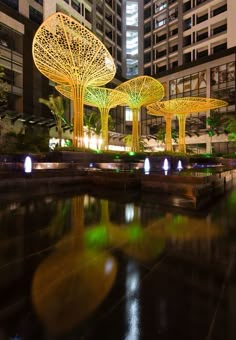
141,91
181,107
67,53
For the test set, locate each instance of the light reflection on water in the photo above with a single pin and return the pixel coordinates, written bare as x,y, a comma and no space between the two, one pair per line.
66,252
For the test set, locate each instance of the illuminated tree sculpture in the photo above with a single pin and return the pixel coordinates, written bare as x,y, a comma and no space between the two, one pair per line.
104,99
141,91
68,53
182,107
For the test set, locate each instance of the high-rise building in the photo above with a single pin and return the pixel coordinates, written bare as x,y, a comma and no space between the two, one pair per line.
189,45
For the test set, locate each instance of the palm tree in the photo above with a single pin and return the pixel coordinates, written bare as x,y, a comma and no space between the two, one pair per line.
56,104
92,122
217,120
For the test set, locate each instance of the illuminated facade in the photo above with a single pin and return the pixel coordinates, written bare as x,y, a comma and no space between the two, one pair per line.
190,47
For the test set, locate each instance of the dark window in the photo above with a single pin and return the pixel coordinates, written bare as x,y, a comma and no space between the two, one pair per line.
187,57
173,48
220,29
161,37
202,54
202,36
99,9
12,3
187,6
174,64
147,27
39,2
202,18
76,5
118,40
119,55
108,16
119,25
147,13
147,71
219,10
147,57
187,40
187,24
35,15
118,9
221,47
87,15
174,32
161,54
147,42
199,2
162,68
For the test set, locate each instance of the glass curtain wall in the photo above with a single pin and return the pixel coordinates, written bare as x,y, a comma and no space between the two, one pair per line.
132,38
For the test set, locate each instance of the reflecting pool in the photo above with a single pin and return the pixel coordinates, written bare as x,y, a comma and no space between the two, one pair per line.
82,266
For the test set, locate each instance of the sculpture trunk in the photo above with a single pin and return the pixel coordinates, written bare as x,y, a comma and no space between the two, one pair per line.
168,139
135,131
104,122
182,144
78,105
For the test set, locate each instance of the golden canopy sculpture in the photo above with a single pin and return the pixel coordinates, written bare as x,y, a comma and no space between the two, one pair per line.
181,107
141,91
67,53
104,99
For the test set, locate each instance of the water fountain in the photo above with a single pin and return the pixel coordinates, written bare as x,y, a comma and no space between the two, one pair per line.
146,166
179,165
166,166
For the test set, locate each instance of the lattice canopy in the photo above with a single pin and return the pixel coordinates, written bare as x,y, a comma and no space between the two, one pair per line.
141,91
185,105
104,99
66,52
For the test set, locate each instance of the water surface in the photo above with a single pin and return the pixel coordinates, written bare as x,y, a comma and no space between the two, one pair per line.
82,266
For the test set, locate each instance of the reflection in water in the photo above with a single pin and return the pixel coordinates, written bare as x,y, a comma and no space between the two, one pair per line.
129,212
68,252
69,285
184,228
132,302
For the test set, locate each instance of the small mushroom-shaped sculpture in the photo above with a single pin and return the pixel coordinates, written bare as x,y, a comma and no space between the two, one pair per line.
182,107
141,91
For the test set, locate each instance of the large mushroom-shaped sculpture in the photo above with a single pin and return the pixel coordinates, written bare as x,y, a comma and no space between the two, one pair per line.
182,107
141,91
67,53
104,99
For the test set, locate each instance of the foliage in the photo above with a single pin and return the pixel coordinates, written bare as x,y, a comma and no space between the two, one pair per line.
57,105
215,121
231,129
92,121
3,87
32,141
161,135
